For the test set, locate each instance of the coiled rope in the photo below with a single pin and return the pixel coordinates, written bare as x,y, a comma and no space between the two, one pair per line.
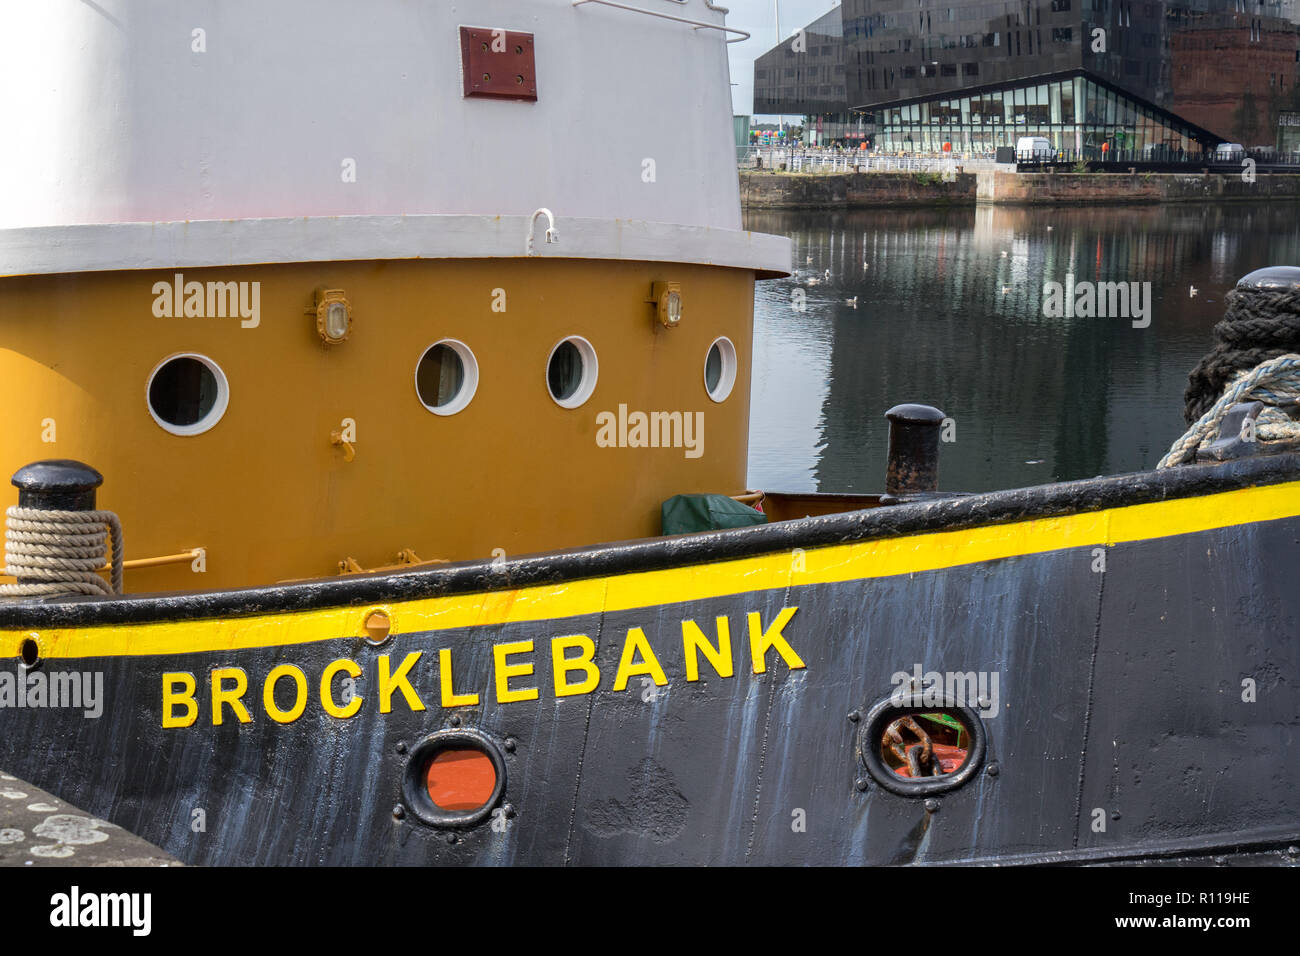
1258,324
1275,382
58,552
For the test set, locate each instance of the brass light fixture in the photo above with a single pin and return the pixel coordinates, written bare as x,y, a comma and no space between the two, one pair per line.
666,297
333,316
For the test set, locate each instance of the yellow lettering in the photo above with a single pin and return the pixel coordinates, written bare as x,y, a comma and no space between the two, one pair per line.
694,641
635,642
562,664
220,695
506,671
353,670
170,698
300,694
388,684
449,696
761,641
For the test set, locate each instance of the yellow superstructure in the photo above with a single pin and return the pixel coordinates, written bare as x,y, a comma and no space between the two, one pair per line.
325,455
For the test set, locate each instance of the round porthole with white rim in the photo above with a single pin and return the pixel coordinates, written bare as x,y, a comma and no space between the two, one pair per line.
720,369
446,377
187,393
571,371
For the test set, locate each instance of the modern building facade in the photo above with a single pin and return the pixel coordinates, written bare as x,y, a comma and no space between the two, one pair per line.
805,76
1097,78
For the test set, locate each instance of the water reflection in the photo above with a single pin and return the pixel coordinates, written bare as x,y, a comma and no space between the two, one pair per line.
949,311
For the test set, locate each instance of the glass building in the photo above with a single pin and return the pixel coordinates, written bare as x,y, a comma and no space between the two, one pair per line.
1137,79
1079,115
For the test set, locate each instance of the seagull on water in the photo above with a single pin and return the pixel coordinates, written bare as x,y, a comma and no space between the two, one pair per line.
852,303
1191,292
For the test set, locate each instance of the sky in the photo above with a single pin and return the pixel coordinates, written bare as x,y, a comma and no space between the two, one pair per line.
757,17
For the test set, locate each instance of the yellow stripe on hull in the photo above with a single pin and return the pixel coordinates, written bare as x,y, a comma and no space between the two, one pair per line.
860,560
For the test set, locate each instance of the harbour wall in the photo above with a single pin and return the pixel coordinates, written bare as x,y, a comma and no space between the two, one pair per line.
767,190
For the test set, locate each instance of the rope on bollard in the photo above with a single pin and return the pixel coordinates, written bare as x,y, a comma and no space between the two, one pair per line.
1257,325
58,552
1275,382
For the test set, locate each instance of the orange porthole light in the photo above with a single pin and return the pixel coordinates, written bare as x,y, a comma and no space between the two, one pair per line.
667,300
333,316
454,778
460,779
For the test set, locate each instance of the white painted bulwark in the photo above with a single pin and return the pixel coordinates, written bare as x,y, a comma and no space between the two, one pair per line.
123,111
235,242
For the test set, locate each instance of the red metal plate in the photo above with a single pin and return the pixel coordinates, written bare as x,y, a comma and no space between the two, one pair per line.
498,63
460,778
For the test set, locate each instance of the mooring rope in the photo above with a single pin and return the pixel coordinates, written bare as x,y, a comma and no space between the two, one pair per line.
58,552
1275,382
1258,324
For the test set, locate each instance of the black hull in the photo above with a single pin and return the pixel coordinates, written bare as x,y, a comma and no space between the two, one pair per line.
1146,713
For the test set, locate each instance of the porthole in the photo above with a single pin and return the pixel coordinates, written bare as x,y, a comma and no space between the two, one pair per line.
446,377
923,750
571,371
187,394
454,778
720,369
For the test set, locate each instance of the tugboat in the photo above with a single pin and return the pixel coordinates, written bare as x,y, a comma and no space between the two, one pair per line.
378,414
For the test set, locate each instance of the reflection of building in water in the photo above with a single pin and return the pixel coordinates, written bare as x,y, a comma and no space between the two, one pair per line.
944,318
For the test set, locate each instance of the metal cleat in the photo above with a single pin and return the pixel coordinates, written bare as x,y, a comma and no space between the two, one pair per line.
1236,435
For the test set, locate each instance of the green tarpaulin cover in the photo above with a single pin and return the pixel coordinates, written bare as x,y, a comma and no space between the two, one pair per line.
686,513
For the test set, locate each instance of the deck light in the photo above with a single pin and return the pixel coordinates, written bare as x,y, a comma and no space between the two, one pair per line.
333,316
667,299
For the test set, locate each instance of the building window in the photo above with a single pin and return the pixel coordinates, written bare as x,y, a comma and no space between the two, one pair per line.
948,69
1060,5
970,69
1062,34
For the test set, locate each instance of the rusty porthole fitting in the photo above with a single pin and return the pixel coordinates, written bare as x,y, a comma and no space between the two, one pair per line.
900,746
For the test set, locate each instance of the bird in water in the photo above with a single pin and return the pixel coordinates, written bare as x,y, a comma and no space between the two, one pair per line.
1004,253
826,274
813,280
1049,228
808,261
1191,292
1006,289
852,303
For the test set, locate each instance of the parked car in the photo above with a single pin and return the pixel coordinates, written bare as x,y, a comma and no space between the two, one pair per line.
1034,147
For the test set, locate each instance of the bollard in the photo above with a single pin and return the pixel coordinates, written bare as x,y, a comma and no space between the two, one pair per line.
58,484
913,449
55,539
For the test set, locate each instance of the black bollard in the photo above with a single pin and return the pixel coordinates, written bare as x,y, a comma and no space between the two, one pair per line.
58,484
913,449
